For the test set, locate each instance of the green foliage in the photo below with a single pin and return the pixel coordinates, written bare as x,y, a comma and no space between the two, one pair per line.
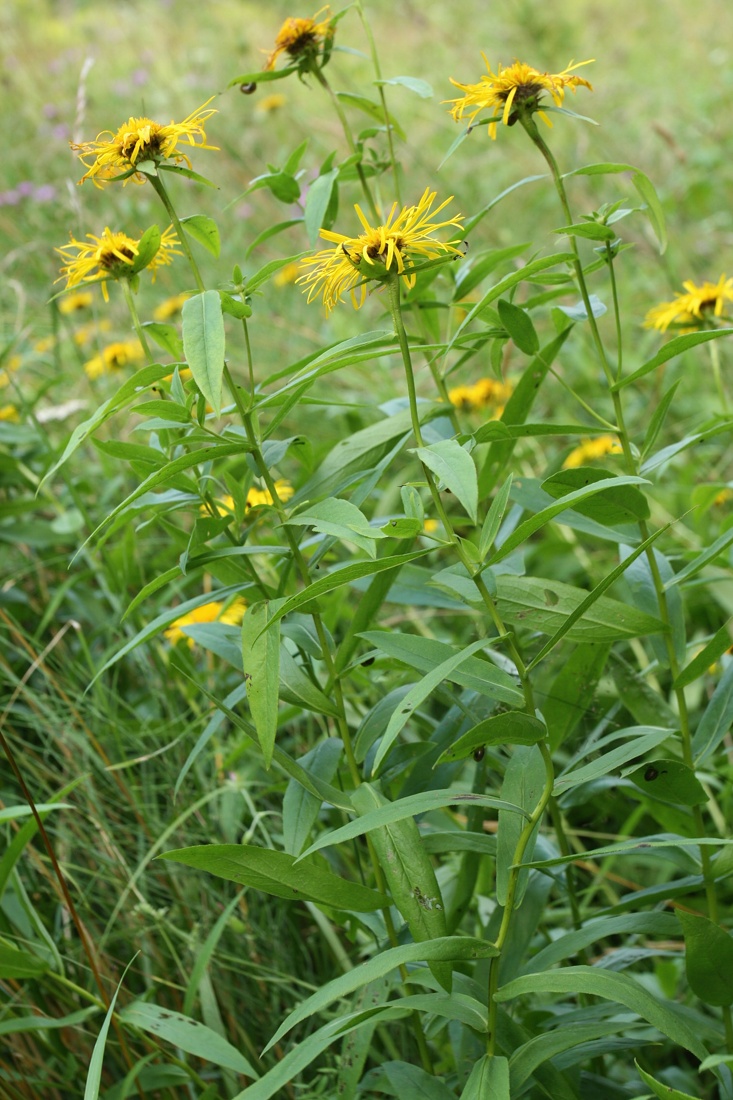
368,686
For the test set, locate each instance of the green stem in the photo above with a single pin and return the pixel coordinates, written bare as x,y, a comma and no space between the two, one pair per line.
162,193
383,99
349,140
129,298
506,920
715,362
632,468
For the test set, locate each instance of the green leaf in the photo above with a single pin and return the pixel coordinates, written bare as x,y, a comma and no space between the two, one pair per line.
646,705
279,874
546,605
642,587
664,1092
297,687
489,1079
693,567
406,807
670,350
19,964
261,662
317,202
419,87
14,1024
424,654
613,506
187,1034
301,807
408,871
657,925
475,270
592,231
165,410
204,230
166,337
524,781
613,987
637,740
708,655
570,695
643,185
715,721
445,949
519,325
494,516
547,1044
96,1062
515,728
203,343
263,76
402,528
417,696
341,519
403,1079
653,846
708,959
454,467
657,419
670,781
260,277
147,249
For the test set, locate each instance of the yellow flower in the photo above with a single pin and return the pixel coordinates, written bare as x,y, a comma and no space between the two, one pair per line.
9,412
207,613
271,103
513,90
430,526
287,274
592,448
257,498
485,392
138,140
45,344
723,497
111,256
11,366
114,357
302,39
170,307
692,309
86,333
74,302
377,249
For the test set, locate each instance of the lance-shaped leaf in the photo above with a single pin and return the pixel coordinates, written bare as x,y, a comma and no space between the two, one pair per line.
708,959
190,1035
261,661
669,781
454,466
664,1092
278,873
489,1078
203,343
515,728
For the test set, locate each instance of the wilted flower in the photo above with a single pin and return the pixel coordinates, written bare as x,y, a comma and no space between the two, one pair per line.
592,448
141,139
303,39
114,357
114,255
512,91
378,250
207,613
693,309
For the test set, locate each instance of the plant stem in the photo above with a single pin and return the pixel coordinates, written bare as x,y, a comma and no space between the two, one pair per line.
162,193
129,298
349,140
382,97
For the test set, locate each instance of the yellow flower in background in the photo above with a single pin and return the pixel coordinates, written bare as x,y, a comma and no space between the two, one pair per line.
693,308
114,357
13,364
257,498
86,333
722,497
381,248
270,103
140,139
208,613
302,38
481,394
430,526
171,307
72,303
512,90
9,412
592,448
111,256
45,344
287,274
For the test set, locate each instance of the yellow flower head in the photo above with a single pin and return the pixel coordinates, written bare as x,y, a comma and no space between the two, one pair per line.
592,448
257,498
112,154
512,91
482,394
379,249
271,103
8,370
287,274
303,39
114,357
722,497
72,303
207,613
171,307
9,412
112,256
691,310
